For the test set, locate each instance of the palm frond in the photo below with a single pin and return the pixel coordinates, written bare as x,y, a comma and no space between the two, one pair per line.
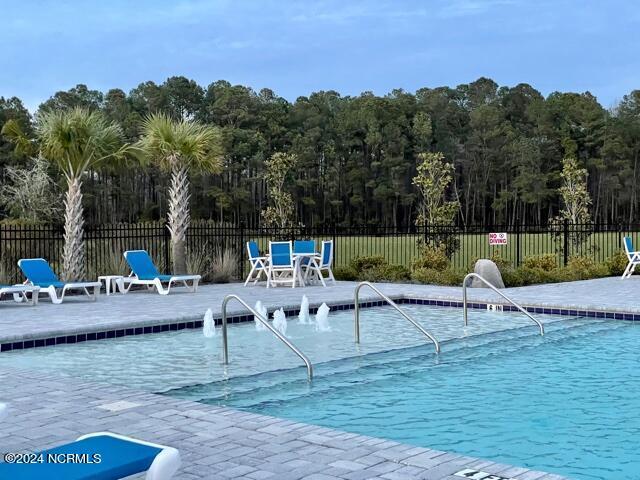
166,141
78,140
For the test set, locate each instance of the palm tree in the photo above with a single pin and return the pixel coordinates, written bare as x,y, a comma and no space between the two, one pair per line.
180,146
76,141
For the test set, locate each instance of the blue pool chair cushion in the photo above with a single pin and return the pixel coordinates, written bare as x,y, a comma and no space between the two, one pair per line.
142,265
38,272
119,458
254,252
280,254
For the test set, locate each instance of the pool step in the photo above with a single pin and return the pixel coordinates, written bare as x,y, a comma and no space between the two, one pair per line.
275,386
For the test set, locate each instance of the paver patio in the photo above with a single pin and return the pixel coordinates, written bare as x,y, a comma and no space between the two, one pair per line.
77,315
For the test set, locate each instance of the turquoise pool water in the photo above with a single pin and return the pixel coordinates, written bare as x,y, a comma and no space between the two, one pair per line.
566,403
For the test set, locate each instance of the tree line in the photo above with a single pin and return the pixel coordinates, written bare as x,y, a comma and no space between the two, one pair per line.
356,156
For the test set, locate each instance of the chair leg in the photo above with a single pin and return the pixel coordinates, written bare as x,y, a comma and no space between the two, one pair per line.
250,277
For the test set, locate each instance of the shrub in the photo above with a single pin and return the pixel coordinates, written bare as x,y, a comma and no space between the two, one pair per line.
583,268
360,264
198,260
513,277
345,273
546,262
223,266
388,272
431,258
616,263
432,276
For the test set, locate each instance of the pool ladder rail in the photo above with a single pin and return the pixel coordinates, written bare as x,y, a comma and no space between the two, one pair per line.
264,321
486,282
356,295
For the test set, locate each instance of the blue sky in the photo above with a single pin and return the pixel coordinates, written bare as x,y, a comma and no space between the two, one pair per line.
296,47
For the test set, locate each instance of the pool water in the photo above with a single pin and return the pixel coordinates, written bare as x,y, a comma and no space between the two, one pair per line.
170,360
566,403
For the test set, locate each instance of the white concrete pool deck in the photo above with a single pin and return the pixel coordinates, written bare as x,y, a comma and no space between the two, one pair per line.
77,315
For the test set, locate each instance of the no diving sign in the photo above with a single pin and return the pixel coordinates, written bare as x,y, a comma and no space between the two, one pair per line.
478,475
498,238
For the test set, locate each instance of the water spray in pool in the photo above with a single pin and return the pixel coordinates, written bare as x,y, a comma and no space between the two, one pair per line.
208,325
262,310
280,321
322,320
303,316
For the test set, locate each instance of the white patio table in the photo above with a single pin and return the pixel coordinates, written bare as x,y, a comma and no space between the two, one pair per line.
298,259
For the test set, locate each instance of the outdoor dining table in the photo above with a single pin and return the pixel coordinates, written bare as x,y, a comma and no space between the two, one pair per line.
297,260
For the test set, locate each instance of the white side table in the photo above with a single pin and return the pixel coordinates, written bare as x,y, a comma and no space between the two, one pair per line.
113,283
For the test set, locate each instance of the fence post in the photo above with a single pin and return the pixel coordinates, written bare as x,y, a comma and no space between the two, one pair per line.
333,238
619,235
240,249
166,239
517,225
565,247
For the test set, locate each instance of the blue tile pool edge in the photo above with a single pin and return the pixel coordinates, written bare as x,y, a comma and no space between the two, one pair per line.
191,324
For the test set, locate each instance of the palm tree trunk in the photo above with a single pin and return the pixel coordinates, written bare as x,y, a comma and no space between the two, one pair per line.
179,216
73,251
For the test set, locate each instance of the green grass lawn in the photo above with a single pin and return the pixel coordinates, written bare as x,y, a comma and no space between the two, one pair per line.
401,249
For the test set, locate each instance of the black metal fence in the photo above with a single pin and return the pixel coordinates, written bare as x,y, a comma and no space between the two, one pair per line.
105,243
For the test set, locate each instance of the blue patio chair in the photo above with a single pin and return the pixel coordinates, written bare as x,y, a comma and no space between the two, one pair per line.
632,255
322,263
39,274
258,263
120,457
305,248
282,268
21,293
144,272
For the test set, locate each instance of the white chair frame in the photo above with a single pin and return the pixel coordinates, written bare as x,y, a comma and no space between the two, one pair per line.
259,265
316,265
282,274
634,260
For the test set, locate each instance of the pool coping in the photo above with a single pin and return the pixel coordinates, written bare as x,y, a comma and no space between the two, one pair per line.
145,327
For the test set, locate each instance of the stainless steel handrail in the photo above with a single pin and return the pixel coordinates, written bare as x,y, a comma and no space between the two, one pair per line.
261,319
394,305
483,280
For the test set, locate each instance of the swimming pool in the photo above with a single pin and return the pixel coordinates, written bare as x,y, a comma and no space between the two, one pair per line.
563,403
566,403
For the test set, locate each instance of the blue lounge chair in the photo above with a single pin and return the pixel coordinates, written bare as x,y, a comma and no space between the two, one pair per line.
258,263
144,272
20,292
281,269
119,457
632,255
39,274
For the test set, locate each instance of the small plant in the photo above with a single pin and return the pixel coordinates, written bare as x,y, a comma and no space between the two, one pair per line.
223,266
345,273
431,258
617,263
431,276
198,260
115,263
360,264
386,273
545,262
